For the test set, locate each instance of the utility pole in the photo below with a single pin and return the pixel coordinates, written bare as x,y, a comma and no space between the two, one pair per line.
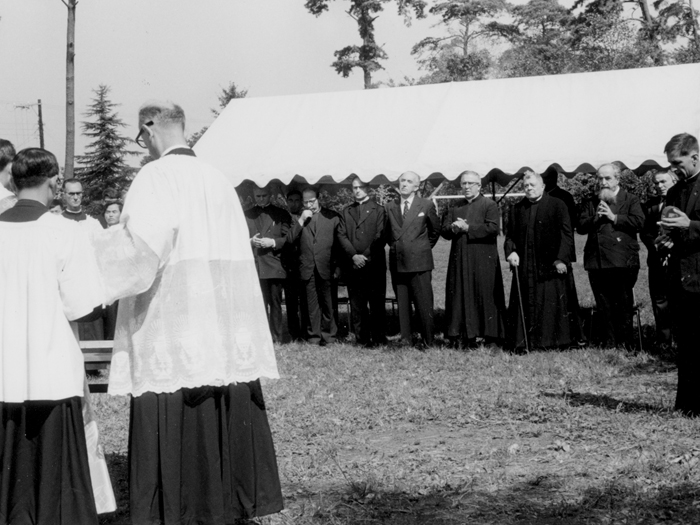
70,88
41,126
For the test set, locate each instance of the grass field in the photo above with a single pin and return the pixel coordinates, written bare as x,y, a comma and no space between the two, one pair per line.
394,435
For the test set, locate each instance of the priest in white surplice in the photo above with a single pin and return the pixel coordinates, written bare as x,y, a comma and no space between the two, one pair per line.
192,338
48,276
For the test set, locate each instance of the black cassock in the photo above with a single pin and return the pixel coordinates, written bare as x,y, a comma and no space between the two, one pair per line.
474,297
540,233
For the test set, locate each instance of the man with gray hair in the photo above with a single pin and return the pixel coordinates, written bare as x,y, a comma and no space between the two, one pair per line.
538,247
475,303
611,255
413,229
192,338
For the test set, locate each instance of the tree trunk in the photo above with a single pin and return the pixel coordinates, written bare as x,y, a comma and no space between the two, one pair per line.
368,78
70,89
649,23
695,27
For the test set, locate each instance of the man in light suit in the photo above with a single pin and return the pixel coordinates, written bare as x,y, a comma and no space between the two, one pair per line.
413,228
682,237
363,242
611,255
317,231
268,226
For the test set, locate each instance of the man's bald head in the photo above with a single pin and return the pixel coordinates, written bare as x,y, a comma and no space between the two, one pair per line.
164,114
161,127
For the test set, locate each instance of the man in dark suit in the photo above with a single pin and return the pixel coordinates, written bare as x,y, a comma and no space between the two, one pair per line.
294,294
611,255
363,242
268,226
656,259
317,230
413,228
551,187
682,235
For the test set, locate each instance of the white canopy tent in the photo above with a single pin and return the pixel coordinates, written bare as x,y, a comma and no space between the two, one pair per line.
571,122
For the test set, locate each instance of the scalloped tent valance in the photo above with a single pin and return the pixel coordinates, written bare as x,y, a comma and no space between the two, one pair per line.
498,128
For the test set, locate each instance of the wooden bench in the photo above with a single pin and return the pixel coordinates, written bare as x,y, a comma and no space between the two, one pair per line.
97,356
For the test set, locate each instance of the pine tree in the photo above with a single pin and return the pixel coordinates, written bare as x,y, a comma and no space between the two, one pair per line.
103,164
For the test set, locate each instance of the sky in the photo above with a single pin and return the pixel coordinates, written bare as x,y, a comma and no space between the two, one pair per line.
184,51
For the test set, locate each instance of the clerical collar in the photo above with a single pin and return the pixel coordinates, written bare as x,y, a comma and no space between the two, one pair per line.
363,200
171,148
538,199
26,210
74,212
691,180
473,199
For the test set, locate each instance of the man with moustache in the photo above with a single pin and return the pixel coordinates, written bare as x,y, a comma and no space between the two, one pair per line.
317,231
538,246
268,226
611,254
363,242
413,228
681,234
657,258
474,297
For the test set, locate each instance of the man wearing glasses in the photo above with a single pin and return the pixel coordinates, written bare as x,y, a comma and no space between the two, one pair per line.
192,338
474,298
73,204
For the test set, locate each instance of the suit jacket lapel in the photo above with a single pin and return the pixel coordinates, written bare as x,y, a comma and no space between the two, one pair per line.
395,209
362,217
693,197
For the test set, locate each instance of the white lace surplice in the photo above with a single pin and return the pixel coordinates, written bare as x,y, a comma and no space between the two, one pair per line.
193,313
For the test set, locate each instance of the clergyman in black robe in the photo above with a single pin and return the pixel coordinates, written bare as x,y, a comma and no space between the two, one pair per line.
538,246
474,297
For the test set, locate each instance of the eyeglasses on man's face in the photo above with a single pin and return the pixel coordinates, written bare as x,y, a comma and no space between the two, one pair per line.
471,184
139,137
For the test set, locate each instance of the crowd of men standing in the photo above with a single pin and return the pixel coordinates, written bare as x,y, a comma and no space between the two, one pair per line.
302,252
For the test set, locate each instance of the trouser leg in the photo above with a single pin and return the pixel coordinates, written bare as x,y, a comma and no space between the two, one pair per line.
403,299
422,290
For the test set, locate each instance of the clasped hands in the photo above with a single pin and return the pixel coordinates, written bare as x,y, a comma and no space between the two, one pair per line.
604,210
680,222
262,242
460,225
358,261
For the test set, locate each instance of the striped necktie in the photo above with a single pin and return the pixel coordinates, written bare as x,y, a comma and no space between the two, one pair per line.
405,209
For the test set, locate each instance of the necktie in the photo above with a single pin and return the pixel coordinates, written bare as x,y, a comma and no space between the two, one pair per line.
405,209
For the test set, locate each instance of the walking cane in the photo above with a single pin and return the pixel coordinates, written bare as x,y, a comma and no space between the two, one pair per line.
522,310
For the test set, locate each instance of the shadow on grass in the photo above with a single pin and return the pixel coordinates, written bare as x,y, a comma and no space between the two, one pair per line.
576,399
119,472
537,501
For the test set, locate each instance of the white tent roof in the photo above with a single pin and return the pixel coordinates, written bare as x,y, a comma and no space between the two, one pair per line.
444,129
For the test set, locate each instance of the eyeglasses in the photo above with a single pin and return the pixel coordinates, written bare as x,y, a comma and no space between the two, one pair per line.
310,201
472,184
74,193
138,138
